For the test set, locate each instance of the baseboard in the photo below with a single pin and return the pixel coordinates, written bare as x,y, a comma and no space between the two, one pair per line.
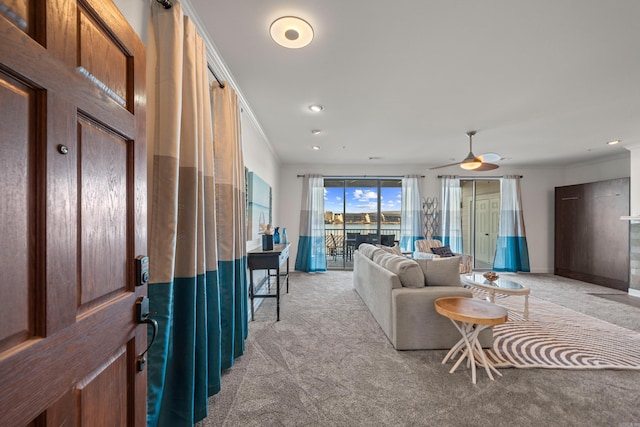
634,292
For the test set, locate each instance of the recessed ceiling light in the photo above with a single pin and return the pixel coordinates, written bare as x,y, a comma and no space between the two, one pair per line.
316,131
315,147
614,142
316,108
291,32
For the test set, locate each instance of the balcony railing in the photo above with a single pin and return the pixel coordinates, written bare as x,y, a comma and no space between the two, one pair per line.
340,248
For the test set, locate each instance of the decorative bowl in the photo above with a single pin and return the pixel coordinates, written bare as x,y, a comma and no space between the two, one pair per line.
491,276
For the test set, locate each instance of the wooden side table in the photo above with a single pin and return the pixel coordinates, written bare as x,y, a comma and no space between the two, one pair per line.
470,317
258,259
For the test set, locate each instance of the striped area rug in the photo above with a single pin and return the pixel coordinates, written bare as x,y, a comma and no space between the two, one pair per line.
559,338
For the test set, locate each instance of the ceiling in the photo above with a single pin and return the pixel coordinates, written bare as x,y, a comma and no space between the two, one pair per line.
544,82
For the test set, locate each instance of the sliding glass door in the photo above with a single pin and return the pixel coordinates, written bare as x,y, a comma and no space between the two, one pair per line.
359,210
480,220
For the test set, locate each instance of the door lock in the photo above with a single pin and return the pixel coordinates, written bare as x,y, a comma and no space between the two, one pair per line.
142,270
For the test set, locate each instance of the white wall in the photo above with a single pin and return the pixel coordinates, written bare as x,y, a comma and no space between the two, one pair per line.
634,163
609,168
259,158
137,13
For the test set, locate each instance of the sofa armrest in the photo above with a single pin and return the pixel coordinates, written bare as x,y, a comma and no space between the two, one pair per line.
418,325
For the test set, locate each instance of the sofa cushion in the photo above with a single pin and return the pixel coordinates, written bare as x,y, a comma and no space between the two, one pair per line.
409,272
395,249
368,250
441,271
443,251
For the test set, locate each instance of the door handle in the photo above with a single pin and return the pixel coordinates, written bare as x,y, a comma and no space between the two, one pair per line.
142,316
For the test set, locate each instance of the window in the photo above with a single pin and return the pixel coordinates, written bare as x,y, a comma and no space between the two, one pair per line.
359,210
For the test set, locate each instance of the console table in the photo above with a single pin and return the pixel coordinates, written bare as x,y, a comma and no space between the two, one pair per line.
258,259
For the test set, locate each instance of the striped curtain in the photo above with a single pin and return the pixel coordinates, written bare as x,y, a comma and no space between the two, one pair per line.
512,253
311,244
411,213
196,224
451,215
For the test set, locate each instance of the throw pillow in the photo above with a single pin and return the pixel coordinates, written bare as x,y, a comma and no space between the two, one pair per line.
395,249
443,251
441,271
408,271
368,250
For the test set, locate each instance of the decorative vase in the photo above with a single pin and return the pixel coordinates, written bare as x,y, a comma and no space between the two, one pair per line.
267,242
276,236
283,238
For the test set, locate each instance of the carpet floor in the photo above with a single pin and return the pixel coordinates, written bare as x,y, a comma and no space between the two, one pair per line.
328,363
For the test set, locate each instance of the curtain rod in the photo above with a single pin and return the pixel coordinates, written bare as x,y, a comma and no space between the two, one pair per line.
477,177
212,72
167,5
362,177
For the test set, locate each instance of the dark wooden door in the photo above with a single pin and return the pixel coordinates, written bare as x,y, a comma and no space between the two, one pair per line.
73,214
608,236
570,225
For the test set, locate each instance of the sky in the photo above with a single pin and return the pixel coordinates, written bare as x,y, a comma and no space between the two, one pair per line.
362,199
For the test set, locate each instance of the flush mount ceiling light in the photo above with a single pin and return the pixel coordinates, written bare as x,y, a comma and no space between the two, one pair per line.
316,131
316,108
614,142
291,32
315,147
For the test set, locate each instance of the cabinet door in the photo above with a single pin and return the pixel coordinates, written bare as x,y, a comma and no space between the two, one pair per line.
570,238
608,236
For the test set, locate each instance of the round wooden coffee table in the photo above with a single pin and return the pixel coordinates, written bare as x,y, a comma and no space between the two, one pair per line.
470,317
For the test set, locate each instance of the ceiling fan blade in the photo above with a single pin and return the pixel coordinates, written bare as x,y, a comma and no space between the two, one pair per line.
486,167
490,157
445,166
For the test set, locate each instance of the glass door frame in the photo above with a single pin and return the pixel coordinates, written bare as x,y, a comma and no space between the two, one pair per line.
471,247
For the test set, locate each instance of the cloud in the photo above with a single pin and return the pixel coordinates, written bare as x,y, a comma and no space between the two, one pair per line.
364,195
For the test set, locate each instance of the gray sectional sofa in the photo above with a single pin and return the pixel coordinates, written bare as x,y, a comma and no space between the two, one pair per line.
400,293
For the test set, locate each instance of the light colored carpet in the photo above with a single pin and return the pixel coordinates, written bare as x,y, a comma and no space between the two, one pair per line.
328,363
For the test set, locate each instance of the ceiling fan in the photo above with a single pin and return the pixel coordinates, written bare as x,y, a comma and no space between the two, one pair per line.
471,162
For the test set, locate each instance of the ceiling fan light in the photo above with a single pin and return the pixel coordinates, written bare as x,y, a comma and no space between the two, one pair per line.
475,164
471,162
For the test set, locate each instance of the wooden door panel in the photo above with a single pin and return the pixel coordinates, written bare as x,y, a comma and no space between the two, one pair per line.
21,13
95,45
608,240
16,178
102,396
103,170
73,219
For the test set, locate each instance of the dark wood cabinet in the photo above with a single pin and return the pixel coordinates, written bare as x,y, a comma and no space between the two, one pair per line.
591,242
